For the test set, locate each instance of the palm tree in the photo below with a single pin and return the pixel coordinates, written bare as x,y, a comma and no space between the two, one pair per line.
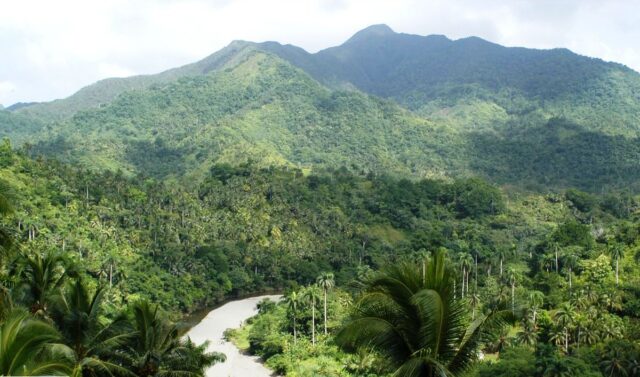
565,316
555,252
423,255
418,327
42,276
570,261
502,253
465,261
28,347
614,363
513,276
617,252
527,335
157,349
93,343
326,282
474,301
589,335
293,300
312,293
536,299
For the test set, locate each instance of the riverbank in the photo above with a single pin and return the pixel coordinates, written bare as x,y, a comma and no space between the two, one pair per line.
211,328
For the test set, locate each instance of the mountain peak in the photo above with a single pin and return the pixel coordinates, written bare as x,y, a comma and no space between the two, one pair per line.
378,30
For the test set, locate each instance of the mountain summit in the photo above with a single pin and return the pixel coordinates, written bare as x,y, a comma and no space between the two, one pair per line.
379,30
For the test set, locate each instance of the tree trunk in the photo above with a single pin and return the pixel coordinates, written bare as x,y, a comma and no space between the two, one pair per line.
570,271
110,275
500,266
295,334
513,298
475,278
325,311
313,321
617,271
464,273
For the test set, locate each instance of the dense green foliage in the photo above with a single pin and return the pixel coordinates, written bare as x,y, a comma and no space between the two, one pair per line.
54,322
244,229
265,168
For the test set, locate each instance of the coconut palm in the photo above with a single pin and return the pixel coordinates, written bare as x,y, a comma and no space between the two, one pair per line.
527,335
92,341
42,276
293,301
28,347
417,327
157,349
326,282
614,363
312,294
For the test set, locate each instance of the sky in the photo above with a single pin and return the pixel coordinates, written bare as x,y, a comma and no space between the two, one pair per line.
50,49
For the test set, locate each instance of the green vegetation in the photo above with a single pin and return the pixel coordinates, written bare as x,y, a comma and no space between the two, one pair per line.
536,119
99,239
264,168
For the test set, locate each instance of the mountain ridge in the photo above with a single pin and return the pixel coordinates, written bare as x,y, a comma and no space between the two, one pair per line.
291,53
407,105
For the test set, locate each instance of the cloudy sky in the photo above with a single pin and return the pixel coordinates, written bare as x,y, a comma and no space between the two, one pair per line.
50,49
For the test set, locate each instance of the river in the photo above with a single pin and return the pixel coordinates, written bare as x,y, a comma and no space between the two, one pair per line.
211,328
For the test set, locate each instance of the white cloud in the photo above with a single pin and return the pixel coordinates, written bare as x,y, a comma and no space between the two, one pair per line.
6,90
50,49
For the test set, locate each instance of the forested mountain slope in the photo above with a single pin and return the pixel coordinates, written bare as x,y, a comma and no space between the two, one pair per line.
531,118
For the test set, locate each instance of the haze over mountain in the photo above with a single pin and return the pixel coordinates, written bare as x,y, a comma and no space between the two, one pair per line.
382,101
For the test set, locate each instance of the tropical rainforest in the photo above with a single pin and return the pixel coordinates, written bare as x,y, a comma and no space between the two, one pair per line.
427,207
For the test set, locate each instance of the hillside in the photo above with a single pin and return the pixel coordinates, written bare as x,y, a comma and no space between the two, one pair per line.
430,74
532,118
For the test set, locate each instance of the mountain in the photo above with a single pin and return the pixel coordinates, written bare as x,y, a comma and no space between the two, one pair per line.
409,105
262,109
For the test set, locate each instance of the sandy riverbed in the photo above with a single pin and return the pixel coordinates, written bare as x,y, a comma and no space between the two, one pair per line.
212,328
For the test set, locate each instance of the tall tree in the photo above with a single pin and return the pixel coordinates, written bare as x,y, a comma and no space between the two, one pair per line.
293,302
326,282
312,294
465,264
565,317
617,251
535,301
570,262
512,276
502,253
